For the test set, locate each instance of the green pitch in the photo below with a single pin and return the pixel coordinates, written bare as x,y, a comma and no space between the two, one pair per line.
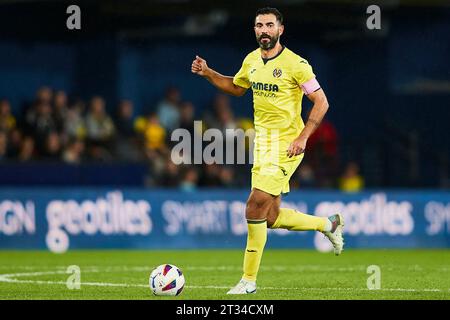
284,274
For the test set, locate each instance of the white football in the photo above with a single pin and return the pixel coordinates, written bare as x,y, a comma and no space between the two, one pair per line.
166,280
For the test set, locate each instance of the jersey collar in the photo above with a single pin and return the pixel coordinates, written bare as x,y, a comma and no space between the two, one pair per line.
268,59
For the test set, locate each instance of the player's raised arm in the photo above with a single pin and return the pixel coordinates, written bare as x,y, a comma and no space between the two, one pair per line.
318,111
222,82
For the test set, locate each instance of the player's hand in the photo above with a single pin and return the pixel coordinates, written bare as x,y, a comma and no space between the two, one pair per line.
199,66
297,147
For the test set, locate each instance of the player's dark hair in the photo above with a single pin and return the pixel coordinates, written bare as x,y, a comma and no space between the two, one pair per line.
269,10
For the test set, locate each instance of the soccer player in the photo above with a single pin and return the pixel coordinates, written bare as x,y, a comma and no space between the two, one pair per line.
279,78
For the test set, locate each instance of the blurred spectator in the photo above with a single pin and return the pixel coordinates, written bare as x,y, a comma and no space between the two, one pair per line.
41,123
155,134
100,130
124,119
73,153
168,110
99,125
127,142
190,179
247,126
3,146
305,176
171,176
221,116
155,148
351,181
44,95
60,110
322,153
227,177
226,119
52,150
26,152
214,175
187,117
74,125
14,142
7,120
210,176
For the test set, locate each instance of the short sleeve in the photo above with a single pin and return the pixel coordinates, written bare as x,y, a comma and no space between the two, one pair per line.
303,72
241,78
305,77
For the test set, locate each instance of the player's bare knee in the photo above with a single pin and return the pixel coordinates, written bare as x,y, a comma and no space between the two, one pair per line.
255,210
258,205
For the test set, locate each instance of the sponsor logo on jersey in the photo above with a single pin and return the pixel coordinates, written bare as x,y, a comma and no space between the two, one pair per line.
265,86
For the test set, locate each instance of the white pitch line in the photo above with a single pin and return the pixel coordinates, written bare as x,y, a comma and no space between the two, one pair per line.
96,284
11,278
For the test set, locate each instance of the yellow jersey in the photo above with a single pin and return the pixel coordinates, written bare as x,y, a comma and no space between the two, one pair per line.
276,84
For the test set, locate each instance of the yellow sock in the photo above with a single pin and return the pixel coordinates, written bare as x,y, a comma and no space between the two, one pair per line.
256,240
293,220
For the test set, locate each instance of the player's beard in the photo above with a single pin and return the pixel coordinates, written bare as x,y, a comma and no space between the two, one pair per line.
269,44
